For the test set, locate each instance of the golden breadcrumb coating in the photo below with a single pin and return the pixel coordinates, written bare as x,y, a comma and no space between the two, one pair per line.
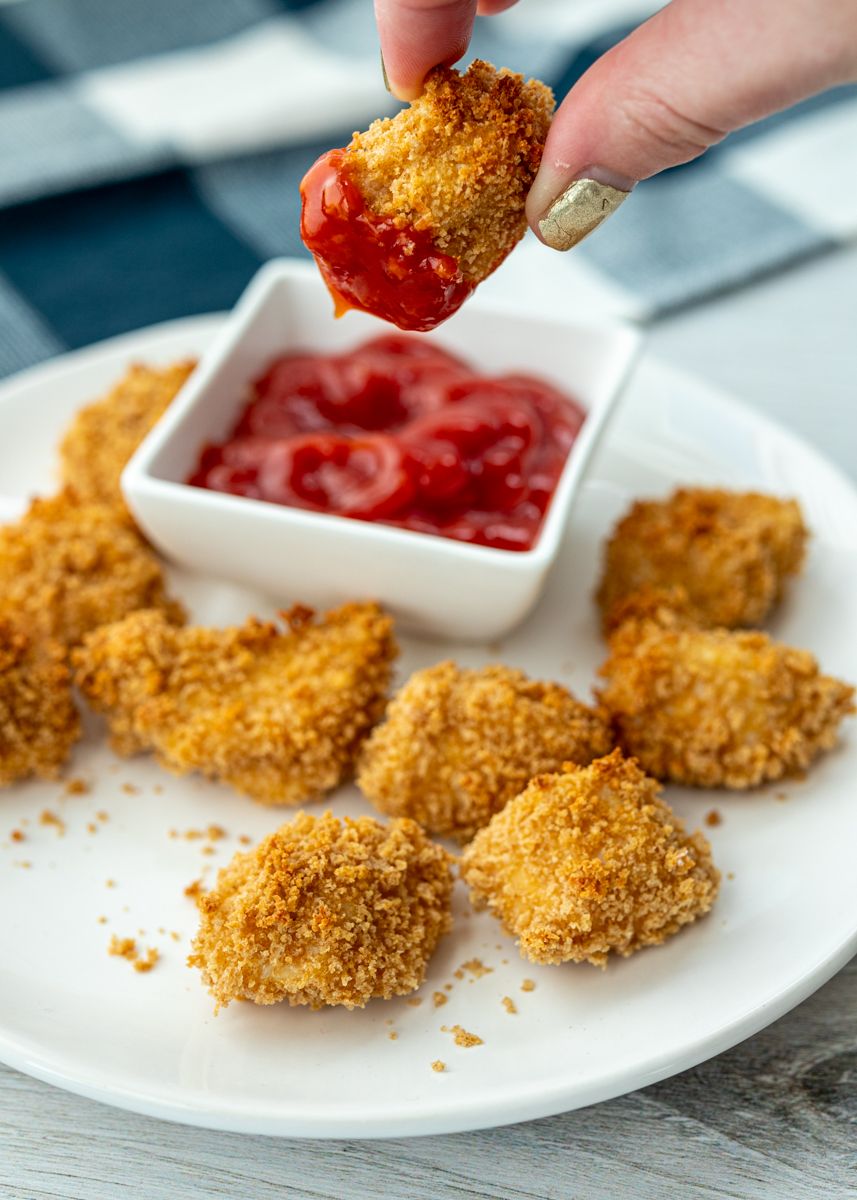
458,744
325,912
588,862
668,607
104,435
731,551
279,716
67,567
39,723
459,162
715,707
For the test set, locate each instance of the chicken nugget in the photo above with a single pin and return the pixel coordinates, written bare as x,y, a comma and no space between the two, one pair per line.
731,551
716,707
458,744
444,182
104,435
590,861
279,716
325,912
67,567
39,723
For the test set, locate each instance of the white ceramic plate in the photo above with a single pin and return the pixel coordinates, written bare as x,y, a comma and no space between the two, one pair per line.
786,919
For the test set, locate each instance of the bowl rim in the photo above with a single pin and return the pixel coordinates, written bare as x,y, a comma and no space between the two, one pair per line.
139,477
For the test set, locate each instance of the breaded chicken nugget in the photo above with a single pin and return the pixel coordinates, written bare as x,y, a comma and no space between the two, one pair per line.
279,716
104,435
39,723
444,182
67,567
668,608
325,912
717,708
731,551
588,862
457,745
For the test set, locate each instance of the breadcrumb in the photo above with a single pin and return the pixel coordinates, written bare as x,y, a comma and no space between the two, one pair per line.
104,435
325,912
146,964
67,567
459,162
477,968
46,817
509,1005
437,1065
458,744
39,723
279,716
462,1037
588,862
528,986
438,998
77,787
719,708
732,551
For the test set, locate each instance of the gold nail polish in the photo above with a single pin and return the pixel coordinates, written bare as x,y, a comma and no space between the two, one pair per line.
578,211
384,73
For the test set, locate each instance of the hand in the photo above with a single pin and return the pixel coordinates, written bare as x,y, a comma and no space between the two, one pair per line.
678,84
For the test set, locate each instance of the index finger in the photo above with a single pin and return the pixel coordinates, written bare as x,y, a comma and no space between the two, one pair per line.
416,35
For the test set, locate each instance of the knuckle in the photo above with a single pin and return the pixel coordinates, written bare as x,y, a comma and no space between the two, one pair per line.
679,137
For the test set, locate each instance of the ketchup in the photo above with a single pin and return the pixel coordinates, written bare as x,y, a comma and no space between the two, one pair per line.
400,432
373,263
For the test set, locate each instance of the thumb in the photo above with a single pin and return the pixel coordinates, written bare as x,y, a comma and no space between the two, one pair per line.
677,85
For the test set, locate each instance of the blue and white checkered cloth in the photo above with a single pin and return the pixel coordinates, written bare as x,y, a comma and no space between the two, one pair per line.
151,150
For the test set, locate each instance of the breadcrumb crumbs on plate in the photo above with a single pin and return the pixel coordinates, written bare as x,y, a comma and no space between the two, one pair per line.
438,1066
438,999
122,947
392,1036
509,1004
130,789
158,789
110,883
415,1003
245,840
102,920
459,974
476,967
713,818
194,889
730,875
17,835
215,833
77,787
48,818
528,986
462,1037
102,816
449,986
25,863
781,796
175,936
146,964
208,850
91,827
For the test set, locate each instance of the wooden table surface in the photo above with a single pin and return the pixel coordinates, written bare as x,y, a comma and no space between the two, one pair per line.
775,1117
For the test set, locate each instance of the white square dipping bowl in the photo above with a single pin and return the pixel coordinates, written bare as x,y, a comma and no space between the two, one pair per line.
430,584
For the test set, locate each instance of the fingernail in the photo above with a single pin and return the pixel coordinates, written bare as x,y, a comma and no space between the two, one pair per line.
582,207
384,73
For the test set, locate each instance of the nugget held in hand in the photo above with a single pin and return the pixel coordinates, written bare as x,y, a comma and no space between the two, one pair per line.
417,211
279,716
325,912
104,435
39,723
458,744
732,551
588,862
67,567
718,708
